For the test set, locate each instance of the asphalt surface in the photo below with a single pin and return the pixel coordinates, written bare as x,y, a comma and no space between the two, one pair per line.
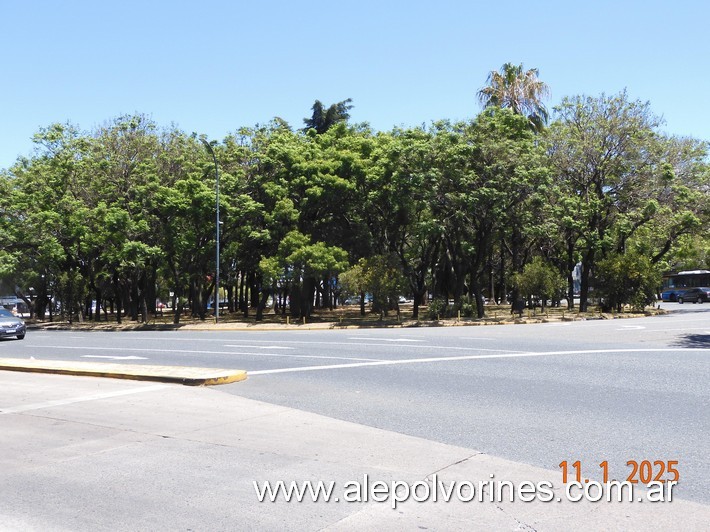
98,454
614,390
606,390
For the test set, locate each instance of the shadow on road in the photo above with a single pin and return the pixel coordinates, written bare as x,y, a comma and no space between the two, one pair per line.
694,340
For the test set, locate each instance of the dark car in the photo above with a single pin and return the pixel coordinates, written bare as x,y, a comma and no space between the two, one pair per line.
695,295
672,294
11,325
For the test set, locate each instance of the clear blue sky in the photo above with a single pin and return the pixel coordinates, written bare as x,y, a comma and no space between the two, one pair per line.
214,66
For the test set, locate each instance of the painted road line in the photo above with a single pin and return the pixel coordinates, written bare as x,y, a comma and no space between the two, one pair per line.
84,398
410,346
259,346
338,344
383,339
200,352
138,349
680,329
108,357
468,357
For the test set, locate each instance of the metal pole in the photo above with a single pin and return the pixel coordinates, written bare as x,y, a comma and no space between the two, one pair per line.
216,287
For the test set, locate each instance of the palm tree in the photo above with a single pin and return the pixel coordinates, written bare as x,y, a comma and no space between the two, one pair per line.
322,118
519,90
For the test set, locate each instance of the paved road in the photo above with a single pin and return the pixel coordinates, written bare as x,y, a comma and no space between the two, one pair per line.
539,394
80,453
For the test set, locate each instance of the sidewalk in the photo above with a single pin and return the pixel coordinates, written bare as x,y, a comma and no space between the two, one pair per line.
79,453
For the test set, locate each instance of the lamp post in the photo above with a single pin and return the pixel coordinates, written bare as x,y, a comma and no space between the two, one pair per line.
216,173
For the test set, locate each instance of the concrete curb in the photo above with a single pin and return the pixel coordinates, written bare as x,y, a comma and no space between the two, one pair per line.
189,376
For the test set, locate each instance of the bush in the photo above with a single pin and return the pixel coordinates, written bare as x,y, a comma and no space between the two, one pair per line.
540,280
626,279
468,310
437,309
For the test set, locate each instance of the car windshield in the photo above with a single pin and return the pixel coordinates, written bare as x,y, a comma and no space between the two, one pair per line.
4,313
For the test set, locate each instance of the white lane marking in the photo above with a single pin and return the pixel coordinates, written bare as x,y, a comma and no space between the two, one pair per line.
465,357
84,398
338,344
680,329
447,348
130,357
355,341
382,339
186,351
631,328
259,346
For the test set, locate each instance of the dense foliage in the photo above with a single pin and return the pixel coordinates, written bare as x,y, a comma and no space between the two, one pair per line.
487,208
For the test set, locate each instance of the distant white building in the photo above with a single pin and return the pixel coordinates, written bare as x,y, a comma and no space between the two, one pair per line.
577,278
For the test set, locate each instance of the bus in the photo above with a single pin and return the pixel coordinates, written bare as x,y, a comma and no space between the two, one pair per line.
14,304
675,283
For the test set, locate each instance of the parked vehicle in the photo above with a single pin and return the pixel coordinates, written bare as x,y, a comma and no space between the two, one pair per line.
11,325
671,294
695,295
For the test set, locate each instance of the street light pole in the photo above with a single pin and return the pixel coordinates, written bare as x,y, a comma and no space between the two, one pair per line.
216,173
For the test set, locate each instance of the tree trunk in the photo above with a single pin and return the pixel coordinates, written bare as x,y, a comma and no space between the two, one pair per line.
584,285
117,290
230,297
309,291
262,304
476,287
241,291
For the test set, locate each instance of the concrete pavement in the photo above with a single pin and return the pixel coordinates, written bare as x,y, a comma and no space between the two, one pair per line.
190,376
79,453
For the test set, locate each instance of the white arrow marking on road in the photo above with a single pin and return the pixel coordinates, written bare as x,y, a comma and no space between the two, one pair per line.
114,358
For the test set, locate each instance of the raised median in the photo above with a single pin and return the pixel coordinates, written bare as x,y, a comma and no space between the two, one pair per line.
190,376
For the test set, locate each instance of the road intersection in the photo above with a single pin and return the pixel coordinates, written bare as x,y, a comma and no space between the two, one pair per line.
537,395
